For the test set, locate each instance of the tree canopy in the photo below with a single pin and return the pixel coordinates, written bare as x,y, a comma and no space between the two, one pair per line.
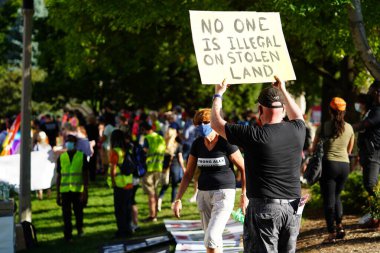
140,53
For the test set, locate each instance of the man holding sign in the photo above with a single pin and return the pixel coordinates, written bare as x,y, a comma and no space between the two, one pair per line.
272,160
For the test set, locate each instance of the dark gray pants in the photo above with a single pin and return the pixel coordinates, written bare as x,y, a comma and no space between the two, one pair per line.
123,210
72,201
371,166
271,227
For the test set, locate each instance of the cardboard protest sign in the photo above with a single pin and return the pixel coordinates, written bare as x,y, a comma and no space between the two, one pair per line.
242,47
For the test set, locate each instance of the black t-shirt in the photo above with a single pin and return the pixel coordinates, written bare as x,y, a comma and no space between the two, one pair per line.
175,161
216,172
51,129
372,133
272,157
92,132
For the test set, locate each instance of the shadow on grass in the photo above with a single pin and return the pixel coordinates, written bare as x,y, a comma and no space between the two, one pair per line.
49,229
42,210
89,215
95,205
88,243
99,222
47,221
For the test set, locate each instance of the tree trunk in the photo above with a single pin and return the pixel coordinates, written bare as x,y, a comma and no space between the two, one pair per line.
328,92
360,38
342,87
348,89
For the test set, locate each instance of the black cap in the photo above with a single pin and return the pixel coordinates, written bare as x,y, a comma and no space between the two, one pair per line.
146,126
375,85
270,95
71,138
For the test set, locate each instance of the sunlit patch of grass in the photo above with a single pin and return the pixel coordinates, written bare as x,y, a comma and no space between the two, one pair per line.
99,220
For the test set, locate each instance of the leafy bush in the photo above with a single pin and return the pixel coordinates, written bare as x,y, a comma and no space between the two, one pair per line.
315,201
353,196
374,203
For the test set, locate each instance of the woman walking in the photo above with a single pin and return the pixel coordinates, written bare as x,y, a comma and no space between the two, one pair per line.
339,141
216,183
177,169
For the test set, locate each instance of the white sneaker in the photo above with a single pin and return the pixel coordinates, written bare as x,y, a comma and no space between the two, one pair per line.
159,204
365,219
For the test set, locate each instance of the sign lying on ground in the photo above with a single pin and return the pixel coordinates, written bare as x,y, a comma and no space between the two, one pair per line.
189,236
150,244
241,47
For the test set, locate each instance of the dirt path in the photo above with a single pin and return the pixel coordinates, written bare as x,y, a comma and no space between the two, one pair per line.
358,240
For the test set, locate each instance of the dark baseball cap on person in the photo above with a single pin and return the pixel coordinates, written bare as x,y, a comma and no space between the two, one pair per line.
71,138
271,95
146,126
374,86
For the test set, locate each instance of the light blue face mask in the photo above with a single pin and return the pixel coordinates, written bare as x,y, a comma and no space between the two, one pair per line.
69,145
204,129
357,107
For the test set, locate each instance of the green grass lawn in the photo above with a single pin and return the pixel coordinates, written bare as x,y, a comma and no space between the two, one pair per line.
99,219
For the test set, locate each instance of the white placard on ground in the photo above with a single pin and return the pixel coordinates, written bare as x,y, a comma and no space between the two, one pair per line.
189,235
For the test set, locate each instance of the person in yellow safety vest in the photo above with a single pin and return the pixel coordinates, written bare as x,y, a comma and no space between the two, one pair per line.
72,186
121,183
154,146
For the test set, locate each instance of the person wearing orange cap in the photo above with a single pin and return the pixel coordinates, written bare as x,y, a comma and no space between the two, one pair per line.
339,140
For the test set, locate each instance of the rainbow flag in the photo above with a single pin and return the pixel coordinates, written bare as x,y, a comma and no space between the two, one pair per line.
8,144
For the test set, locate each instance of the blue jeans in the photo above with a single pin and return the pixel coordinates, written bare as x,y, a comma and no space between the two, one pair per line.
176,175
186,151
271,227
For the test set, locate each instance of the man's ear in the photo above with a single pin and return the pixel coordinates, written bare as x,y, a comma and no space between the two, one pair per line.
261,111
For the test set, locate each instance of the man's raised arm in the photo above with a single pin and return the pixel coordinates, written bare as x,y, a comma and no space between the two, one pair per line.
292,109
217,122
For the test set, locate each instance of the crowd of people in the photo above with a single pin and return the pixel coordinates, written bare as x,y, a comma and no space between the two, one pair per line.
179,146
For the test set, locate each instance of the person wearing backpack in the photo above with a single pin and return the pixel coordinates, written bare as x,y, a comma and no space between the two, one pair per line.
121,180
339,142
72,186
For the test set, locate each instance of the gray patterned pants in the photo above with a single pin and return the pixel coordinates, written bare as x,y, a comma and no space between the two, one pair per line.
271,226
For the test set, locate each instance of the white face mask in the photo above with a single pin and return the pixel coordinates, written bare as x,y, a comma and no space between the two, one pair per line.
358,107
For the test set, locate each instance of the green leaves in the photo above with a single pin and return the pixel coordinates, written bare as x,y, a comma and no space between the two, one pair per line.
143,54
8,15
